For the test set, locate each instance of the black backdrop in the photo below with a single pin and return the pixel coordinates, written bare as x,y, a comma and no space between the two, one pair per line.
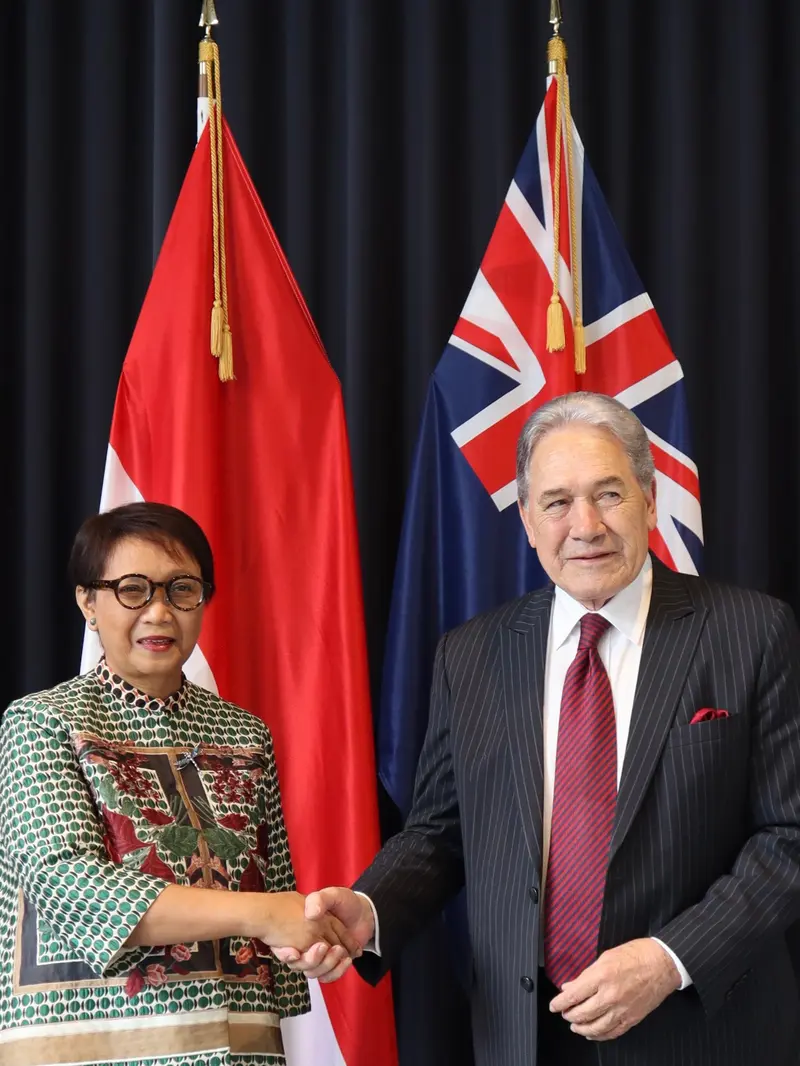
382,137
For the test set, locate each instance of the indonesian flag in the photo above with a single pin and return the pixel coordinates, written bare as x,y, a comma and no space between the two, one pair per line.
262,463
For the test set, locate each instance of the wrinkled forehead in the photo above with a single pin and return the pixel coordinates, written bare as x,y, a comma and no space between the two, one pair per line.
578,458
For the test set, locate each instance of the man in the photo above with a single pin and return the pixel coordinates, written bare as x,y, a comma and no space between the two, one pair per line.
612,767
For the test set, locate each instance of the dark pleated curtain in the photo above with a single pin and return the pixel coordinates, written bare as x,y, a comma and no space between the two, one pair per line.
382,137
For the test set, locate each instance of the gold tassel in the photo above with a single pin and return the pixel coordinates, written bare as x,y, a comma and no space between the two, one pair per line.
580,348
226,358
216,328
556,340
557,57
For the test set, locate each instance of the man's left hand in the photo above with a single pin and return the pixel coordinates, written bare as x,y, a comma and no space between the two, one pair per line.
616,992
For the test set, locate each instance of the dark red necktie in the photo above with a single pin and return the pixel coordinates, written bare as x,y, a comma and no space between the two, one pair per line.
584,799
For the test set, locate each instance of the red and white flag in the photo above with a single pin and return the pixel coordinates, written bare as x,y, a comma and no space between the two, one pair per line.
262,463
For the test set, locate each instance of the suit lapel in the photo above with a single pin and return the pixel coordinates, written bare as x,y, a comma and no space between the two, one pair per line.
673,630
524,649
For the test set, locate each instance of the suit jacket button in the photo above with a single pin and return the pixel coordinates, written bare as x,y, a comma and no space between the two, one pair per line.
527,983
534,894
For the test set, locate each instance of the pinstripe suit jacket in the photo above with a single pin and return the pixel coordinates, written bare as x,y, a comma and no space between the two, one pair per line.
705,851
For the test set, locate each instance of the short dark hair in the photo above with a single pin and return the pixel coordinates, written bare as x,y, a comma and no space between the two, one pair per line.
159,523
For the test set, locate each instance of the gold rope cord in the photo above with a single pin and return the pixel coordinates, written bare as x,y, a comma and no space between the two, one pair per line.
577,323
207,57
226,356
555,314
221,337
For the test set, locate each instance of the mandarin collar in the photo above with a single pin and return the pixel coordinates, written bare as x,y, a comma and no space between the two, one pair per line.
123,692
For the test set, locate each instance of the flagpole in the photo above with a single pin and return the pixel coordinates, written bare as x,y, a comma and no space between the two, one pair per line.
555,20
208,18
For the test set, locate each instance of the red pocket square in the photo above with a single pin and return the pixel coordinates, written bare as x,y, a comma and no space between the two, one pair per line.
709,714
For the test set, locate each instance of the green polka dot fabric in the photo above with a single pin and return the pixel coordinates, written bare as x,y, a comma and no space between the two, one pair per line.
108,795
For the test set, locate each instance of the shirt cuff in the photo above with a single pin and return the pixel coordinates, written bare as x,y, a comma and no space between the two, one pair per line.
373,945
685,978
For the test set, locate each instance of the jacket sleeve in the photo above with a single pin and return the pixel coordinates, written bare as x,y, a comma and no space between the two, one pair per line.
291,989
719,937
420,868
52,837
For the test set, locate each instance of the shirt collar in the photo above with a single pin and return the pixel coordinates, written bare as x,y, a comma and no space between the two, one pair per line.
627,611
118,689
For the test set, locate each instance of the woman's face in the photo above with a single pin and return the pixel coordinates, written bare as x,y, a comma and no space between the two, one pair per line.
147,647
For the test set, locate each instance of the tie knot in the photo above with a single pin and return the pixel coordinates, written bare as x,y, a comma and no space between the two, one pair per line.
593,626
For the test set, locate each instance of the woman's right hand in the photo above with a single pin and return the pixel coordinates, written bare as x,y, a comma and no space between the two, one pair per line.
288,927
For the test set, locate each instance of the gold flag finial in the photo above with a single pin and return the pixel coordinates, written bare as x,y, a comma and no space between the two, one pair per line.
555,16
208,16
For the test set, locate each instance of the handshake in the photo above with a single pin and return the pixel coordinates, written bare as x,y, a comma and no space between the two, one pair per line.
321,934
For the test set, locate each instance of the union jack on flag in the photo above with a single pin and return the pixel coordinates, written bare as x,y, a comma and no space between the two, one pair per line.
463,548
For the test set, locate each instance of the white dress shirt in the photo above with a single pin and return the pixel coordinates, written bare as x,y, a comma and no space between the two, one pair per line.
620,649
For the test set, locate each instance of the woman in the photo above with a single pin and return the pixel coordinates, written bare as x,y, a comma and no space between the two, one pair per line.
126,795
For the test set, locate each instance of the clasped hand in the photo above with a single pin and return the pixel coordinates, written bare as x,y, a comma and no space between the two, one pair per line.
289,927
321,957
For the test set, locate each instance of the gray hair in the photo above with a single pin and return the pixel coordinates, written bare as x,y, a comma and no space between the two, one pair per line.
590,409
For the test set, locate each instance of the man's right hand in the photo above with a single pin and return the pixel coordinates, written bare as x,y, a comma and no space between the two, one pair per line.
319,960
290,926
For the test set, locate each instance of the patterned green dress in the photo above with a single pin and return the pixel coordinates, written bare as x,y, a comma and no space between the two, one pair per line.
107,796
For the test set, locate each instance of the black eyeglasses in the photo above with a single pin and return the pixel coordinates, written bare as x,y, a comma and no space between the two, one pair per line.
135,591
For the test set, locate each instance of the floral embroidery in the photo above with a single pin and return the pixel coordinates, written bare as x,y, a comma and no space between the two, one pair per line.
266,977
129,778
250,958
236,822
232,786
252,880
156,817
197,868
244,954
134,984
156,974
125,847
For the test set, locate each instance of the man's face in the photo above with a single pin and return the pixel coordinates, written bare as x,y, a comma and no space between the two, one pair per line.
587,515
